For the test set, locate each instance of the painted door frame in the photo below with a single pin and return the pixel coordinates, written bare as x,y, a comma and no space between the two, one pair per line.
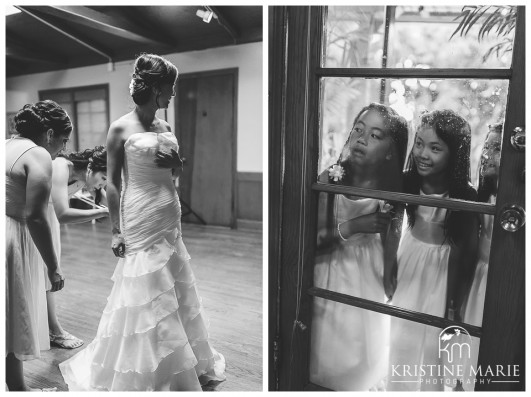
294,85
234,157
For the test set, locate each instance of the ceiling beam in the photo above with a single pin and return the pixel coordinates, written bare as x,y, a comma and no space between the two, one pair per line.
97,20
226,24
24,54
61,28
19,48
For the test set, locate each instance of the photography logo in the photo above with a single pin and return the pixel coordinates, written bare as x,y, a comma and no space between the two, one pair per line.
454,344
455,367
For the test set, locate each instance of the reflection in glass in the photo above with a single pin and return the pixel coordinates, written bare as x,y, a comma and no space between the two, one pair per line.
354,37
418,37
480,102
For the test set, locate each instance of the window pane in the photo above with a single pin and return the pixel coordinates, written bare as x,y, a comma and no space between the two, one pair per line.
98,105
479,102
419,36
83,107
354,37
350,346
92,126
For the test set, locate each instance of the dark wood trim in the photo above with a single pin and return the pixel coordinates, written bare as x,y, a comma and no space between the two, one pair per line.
250,176
250,197
503,341
451,204
423,318
206,73
314,387
277,98
219,72
476,74
299,204
294,357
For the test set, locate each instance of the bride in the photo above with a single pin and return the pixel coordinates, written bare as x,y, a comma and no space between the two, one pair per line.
152,334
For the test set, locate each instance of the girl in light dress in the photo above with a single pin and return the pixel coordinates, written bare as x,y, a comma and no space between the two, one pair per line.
71,173
436,249
43,131
349,345
487,189
152,334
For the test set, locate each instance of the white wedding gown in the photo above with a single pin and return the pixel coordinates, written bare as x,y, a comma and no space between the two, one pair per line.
152,334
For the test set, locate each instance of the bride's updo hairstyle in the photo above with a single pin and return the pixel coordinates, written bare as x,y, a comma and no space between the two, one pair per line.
32,121
92,159
150,71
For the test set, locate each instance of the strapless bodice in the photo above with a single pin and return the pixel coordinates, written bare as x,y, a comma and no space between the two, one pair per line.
150,205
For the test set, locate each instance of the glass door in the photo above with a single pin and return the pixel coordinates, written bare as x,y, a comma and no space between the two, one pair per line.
396,238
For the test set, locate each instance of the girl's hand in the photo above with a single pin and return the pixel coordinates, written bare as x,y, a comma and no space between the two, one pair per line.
376,222
56,278
168,160
104,212
118,245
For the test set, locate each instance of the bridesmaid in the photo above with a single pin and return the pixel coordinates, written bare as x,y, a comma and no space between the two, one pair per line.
71,173
43,131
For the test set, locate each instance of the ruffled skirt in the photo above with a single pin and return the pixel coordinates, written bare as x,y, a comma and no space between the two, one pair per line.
25,294
152,335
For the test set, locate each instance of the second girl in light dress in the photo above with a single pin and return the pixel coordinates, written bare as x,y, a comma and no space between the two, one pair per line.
434,247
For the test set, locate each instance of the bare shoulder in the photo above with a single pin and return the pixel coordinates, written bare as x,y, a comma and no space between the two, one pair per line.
37,158
38,153
61,164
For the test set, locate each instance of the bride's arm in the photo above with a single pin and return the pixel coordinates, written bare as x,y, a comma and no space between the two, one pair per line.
115,162
171,159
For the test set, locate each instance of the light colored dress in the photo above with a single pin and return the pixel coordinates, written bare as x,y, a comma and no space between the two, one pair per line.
25,294
476,298
152,334
349,345
423,256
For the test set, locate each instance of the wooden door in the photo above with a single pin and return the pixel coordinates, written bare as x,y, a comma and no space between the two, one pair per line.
296,76
206,130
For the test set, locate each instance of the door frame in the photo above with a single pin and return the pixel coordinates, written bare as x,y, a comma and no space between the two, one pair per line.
234,137
294,85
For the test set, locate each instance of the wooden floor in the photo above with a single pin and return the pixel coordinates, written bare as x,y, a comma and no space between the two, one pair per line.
228,266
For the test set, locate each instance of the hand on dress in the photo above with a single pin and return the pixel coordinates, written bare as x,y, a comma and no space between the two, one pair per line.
168,160
118,245
376,222
56,279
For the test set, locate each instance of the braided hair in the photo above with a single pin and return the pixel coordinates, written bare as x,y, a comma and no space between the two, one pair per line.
150,71
92,159
33,120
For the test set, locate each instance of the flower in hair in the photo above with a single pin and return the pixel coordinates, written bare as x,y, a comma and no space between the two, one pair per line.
336,172
132,87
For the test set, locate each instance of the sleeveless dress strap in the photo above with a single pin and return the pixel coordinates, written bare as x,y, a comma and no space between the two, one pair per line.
19,156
